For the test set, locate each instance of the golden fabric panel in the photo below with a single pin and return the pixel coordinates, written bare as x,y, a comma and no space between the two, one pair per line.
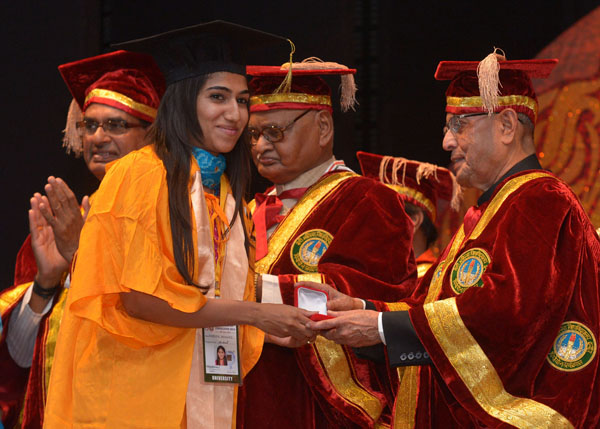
479,375
397,306
340,374
406,408
310,277
7,299
53,325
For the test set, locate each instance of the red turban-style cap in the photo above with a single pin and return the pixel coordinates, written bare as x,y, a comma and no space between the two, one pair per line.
127,81
509,82
274,87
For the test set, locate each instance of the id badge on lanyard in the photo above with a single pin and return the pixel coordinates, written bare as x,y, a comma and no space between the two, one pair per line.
221,343
221,355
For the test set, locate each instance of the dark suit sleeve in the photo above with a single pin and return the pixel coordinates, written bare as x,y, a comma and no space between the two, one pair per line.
404,347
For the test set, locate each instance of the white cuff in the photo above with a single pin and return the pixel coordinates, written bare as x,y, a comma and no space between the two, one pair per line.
380,327
23,329
271,294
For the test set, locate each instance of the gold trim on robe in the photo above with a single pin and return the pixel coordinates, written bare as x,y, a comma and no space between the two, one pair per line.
336,365
409,382
340,373
51,335
10,298
478,373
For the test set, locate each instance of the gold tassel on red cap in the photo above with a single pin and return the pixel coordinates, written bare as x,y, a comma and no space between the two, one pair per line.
286,84
71,138
488,73
424,171
347,86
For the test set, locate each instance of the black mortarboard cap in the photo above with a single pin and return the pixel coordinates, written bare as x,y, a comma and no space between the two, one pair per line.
204,48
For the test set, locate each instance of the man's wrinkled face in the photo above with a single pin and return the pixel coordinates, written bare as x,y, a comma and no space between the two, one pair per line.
296,153
474,152
101,147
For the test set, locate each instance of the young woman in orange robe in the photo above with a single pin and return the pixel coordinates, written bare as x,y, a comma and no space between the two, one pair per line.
166,251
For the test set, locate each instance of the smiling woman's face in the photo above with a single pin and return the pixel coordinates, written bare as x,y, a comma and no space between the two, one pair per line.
222,110
101,148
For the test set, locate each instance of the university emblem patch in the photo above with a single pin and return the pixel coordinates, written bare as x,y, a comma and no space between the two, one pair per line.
308,249
468,269
574,347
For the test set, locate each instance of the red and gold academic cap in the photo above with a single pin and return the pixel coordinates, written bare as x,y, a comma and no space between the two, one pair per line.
299,86
420,183
216,46
493,84
127,81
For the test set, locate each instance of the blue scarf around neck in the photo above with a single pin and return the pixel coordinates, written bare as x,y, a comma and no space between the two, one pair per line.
211,168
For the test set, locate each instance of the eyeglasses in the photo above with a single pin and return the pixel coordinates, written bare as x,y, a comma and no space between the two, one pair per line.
272,133
113,127
455,123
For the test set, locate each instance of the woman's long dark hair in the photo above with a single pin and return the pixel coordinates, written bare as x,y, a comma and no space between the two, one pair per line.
173,132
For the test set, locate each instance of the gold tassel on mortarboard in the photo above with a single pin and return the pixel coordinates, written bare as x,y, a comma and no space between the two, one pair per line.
488,74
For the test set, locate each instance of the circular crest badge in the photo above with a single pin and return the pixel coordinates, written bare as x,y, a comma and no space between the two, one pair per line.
468,269
574,347
308,249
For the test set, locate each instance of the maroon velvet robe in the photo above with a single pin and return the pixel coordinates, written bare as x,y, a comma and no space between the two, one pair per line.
369,256
513,339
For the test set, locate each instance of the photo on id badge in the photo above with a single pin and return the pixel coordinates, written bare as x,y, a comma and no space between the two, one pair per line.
221,362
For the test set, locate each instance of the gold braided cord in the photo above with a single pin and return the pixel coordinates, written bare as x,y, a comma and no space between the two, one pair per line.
505,100
123,99
479,375
290,97
417,196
